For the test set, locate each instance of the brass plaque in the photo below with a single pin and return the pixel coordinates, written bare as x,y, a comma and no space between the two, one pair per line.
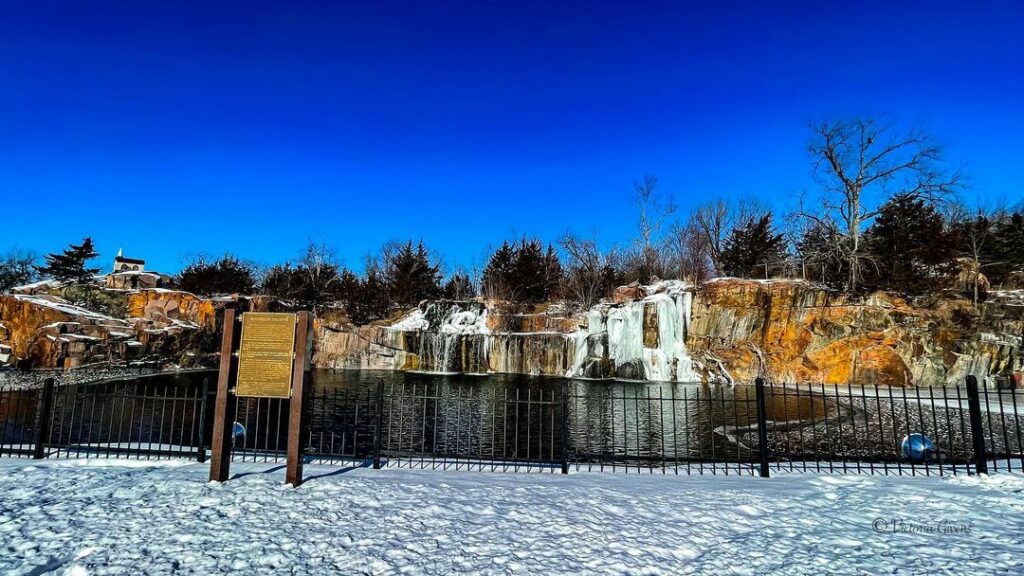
265,355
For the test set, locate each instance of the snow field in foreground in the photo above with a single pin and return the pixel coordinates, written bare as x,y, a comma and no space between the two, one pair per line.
117,517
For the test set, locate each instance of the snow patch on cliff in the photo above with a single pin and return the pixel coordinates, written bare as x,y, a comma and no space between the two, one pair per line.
65,307
412,322
453,319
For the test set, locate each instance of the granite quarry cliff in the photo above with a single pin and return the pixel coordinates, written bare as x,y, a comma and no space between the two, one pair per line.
723,330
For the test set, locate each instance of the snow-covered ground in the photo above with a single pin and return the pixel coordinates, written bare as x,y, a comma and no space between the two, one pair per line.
120,517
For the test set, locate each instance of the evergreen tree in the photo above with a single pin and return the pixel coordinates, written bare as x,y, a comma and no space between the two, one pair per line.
311,284
228,275
908,246
1007,248
459,287
753,248
498,277
523,272
823,250
348,286
538,271
365,299
69,265
411,275
280,281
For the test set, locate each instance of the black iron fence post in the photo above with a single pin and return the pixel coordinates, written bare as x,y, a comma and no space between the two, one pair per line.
201,439
44,404
762,427
565,428
377,425
977,435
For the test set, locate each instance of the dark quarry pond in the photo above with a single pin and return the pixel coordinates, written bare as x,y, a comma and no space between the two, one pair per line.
519,419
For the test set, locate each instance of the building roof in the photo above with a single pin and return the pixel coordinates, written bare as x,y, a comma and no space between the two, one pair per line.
128,260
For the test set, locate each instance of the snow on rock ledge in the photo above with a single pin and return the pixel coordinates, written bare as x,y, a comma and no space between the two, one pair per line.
46,331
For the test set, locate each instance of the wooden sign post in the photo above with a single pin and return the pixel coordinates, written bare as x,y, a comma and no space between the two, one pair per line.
300,386
262,355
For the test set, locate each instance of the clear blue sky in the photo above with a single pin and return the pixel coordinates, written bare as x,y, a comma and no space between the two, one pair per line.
171,128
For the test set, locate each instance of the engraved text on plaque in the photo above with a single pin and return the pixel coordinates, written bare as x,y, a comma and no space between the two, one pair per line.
265,355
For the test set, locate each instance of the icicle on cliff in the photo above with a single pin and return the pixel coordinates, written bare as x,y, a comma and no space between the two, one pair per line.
638,340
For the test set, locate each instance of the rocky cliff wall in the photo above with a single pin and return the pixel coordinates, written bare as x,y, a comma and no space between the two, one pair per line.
47,331
795,332
724,330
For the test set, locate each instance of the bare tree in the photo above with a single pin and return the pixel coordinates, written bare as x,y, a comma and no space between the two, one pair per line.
17,267
589,274
712,222
821,248
321,268
691,255
974,235
654,213
861,163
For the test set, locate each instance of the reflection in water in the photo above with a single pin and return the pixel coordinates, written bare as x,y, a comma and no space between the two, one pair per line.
518,417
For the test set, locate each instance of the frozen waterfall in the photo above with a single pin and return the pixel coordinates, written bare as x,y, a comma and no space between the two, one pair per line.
644,339
447,332
638,340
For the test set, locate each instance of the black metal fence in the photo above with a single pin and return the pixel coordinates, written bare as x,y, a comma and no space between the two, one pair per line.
744,429
145,418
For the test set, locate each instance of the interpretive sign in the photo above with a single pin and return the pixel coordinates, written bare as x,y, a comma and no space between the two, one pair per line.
265,355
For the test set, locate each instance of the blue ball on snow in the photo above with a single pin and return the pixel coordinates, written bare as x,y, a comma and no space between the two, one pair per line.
917,447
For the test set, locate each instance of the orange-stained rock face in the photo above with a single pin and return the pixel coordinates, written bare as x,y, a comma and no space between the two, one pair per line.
172,305
22,320
795,332
633,291
48,332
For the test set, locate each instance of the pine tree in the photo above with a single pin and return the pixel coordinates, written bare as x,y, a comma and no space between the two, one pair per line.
280,281
823,250
366,300
459,287
311,284
228,275
908,246
523,272
1008,248
498,281
69,265
410,275
754,249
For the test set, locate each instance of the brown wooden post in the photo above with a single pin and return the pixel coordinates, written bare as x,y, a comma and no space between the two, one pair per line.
224,409
300,384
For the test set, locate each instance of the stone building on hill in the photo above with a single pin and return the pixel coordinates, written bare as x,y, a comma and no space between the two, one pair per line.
122,264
